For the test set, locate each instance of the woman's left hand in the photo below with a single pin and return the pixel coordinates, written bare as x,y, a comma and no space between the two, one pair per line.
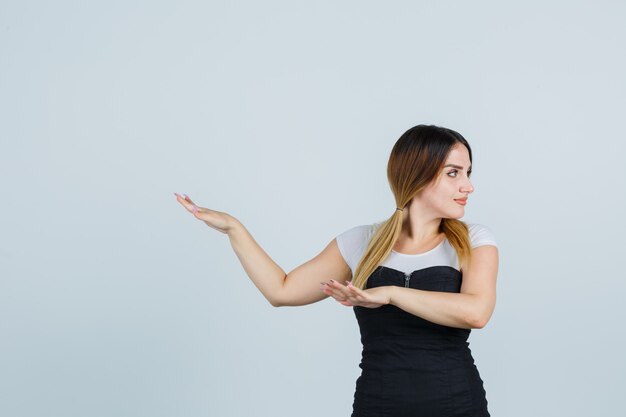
350,296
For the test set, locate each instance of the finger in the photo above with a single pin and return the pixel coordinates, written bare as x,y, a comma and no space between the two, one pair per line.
184,201
346,293
339,287
339,290
356,292
333,292
328,290
347,299
357,296
194,209
189,205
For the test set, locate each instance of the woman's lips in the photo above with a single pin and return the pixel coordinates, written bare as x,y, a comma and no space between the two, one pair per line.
462,202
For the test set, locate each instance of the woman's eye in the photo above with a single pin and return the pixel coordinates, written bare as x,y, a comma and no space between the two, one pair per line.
455,172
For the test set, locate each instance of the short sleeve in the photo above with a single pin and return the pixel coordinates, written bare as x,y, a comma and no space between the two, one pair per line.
352,244
481,235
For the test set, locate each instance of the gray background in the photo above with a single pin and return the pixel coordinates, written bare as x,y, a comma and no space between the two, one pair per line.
114,301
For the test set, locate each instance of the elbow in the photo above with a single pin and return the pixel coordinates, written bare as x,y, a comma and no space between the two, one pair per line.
276,297
276,301
476,321
479,322
480,316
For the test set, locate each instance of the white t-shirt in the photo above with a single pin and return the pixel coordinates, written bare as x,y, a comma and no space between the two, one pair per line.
353,242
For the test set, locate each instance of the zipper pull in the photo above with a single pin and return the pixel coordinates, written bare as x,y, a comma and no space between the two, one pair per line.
406,279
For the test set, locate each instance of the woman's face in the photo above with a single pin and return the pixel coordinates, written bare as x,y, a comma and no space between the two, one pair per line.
451,184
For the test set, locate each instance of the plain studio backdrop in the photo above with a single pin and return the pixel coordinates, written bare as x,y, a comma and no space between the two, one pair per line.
115,301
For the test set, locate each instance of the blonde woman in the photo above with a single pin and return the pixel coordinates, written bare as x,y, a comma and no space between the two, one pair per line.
418,282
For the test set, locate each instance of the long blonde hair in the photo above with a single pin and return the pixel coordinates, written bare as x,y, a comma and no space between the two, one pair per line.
415,161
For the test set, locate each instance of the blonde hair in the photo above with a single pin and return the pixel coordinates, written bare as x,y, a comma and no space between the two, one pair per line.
415,161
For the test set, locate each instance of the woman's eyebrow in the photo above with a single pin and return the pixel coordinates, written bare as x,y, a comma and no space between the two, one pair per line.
455,166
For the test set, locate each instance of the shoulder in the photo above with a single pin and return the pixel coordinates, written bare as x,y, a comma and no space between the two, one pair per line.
353,241
355,231
481,235
350,239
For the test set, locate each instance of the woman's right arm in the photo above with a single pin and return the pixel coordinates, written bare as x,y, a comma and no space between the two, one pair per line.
300,287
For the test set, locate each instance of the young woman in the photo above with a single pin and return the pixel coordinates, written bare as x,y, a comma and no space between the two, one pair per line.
418,282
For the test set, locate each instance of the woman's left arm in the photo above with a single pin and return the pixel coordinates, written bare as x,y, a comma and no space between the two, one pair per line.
471,308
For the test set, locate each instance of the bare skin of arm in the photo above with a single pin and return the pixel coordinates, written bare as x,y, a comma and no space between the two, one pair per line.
299,287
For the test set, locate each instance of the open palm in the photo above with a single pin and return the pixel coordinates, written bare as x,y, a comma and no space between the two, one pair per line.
217,220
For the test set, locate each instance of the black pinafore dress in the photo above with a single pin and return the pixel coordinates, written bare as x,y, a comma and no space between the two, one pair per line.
411,367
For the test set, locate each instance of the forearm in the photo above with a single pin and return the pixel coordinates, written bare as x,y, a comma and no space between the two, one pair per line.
266,274
448,309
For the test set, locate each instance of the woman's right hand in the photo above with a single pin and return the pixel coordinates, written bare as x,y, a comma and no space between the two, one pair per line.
220,221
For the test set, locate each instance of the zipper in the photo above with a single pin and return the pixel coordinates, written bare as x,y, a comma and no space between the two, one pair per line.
407,277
